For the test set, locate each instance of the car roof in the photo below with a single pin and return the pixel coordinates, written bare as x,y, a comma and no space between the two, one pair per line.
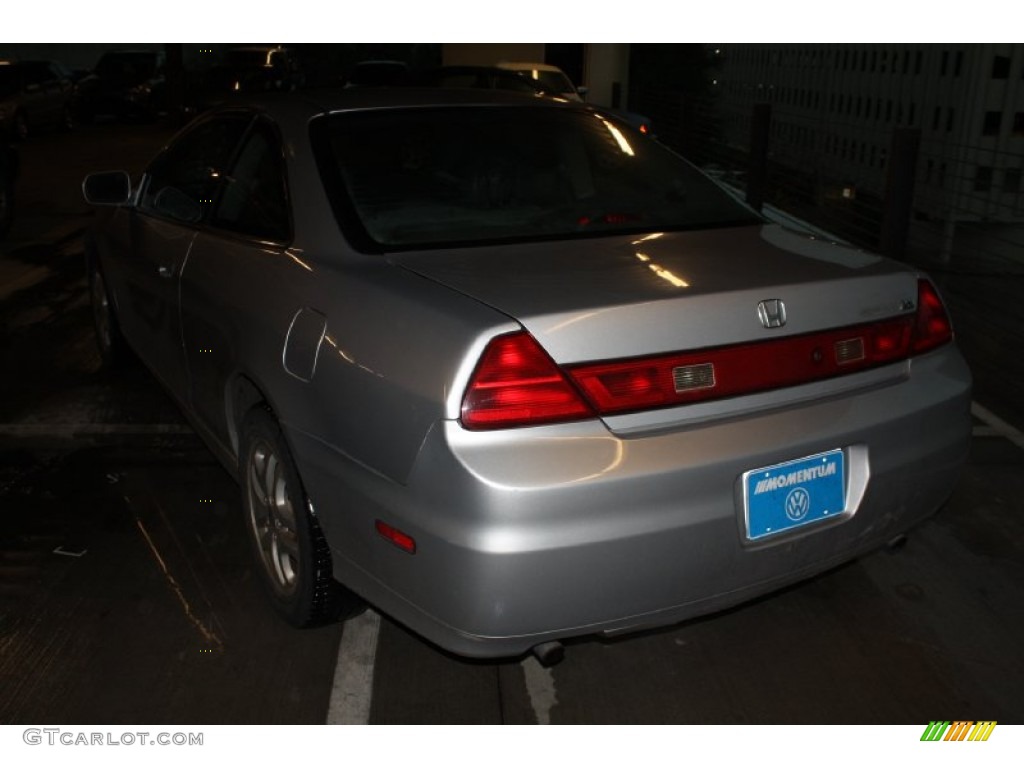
531,65
132,52
308,104
381,63
254,48
486,69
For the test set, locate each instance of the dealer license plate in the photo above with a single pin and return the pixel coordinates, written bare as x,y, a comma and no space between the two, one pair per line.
793,494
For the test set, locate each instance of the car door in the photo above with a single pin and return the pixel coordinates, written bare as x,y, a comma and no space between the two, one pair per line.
224,283
176,194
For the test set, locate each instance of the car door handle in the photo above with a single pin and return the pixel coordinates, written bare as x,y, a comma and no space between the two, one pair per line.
165,271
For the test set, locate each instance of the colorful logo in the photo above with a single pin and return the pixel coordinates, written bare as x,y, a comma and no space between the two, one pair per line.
959,730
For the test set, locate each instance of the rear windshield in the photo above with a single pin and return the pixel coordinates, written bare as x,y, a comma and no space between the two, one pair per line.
409,178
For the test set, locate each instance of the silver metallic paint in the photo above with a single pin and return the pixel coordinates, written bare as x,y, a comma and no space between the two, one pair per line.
534,534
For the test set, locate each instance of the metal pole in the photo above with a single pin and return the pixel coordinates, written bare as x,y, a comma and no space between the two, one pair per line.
757,173
899,191
948,235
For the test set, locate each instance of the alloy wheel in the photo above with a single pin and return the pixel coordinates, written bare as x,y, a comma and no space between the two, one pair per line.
272,516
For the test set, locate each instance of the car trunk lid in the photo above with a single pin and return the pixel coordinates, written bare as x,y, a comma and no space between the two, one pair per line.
619,297
693,312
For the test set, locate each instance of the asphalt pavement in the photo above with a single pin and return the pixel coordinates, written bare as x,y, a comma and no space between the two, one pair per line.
127,594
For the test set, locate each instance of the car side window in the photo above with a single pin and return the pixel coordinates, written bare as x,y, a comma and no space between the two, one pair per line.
184,180
254,198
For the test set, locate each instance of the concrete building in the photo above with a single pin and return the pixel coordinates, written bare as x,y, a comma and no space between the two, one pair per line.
835,107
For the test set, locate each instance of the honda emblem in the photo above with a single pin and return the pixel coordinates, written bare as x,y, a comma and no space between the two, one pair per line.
772,313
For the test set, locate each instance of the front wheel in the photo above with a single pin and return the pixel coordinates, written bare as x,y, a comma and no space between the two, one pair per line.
291,553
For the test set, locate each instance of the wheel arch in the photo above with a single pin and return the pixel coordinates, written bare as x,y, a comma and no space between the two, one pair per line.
243,394
304,592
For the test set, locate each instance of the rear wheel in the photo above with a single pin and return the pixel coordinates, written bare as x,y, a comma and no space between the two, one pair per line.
291,553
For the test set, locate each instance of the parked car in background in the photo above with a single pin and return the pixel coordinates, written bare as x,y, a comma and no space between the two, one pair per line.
125,85
246,70
377,73
514,372
457,76
34,96
460,76
553,81
548,77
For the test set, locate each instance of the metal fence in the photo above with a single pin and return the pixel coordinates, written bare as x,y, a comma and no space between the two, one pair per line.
893,189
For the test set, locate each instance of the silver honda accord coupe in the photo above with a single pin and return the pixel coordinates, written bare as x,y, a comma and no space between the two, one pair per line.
512,372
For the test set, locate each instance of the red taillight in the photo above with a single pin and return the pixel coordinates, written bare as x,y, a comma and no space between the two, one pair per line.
743,369
517,384
931,327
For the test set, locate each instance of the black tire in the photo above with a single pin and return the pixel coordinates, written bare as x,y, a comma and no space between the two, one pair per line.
290,551
112,347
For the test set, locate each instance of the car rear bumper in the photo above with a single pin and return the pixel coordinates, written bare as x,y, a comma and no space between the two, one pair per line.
530,535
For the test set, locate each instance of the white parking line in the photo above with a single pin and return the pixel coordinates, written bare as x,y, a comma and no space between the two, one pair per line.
209,636
352,693
540,684
997,425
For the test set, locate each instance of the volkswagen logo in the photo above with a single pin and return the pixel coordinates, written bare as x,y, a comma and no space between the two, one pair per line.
772,313
798,504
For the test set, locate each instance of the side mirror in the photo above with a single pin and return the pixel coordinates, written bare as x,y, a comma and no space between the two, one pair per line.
107,188
583,91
